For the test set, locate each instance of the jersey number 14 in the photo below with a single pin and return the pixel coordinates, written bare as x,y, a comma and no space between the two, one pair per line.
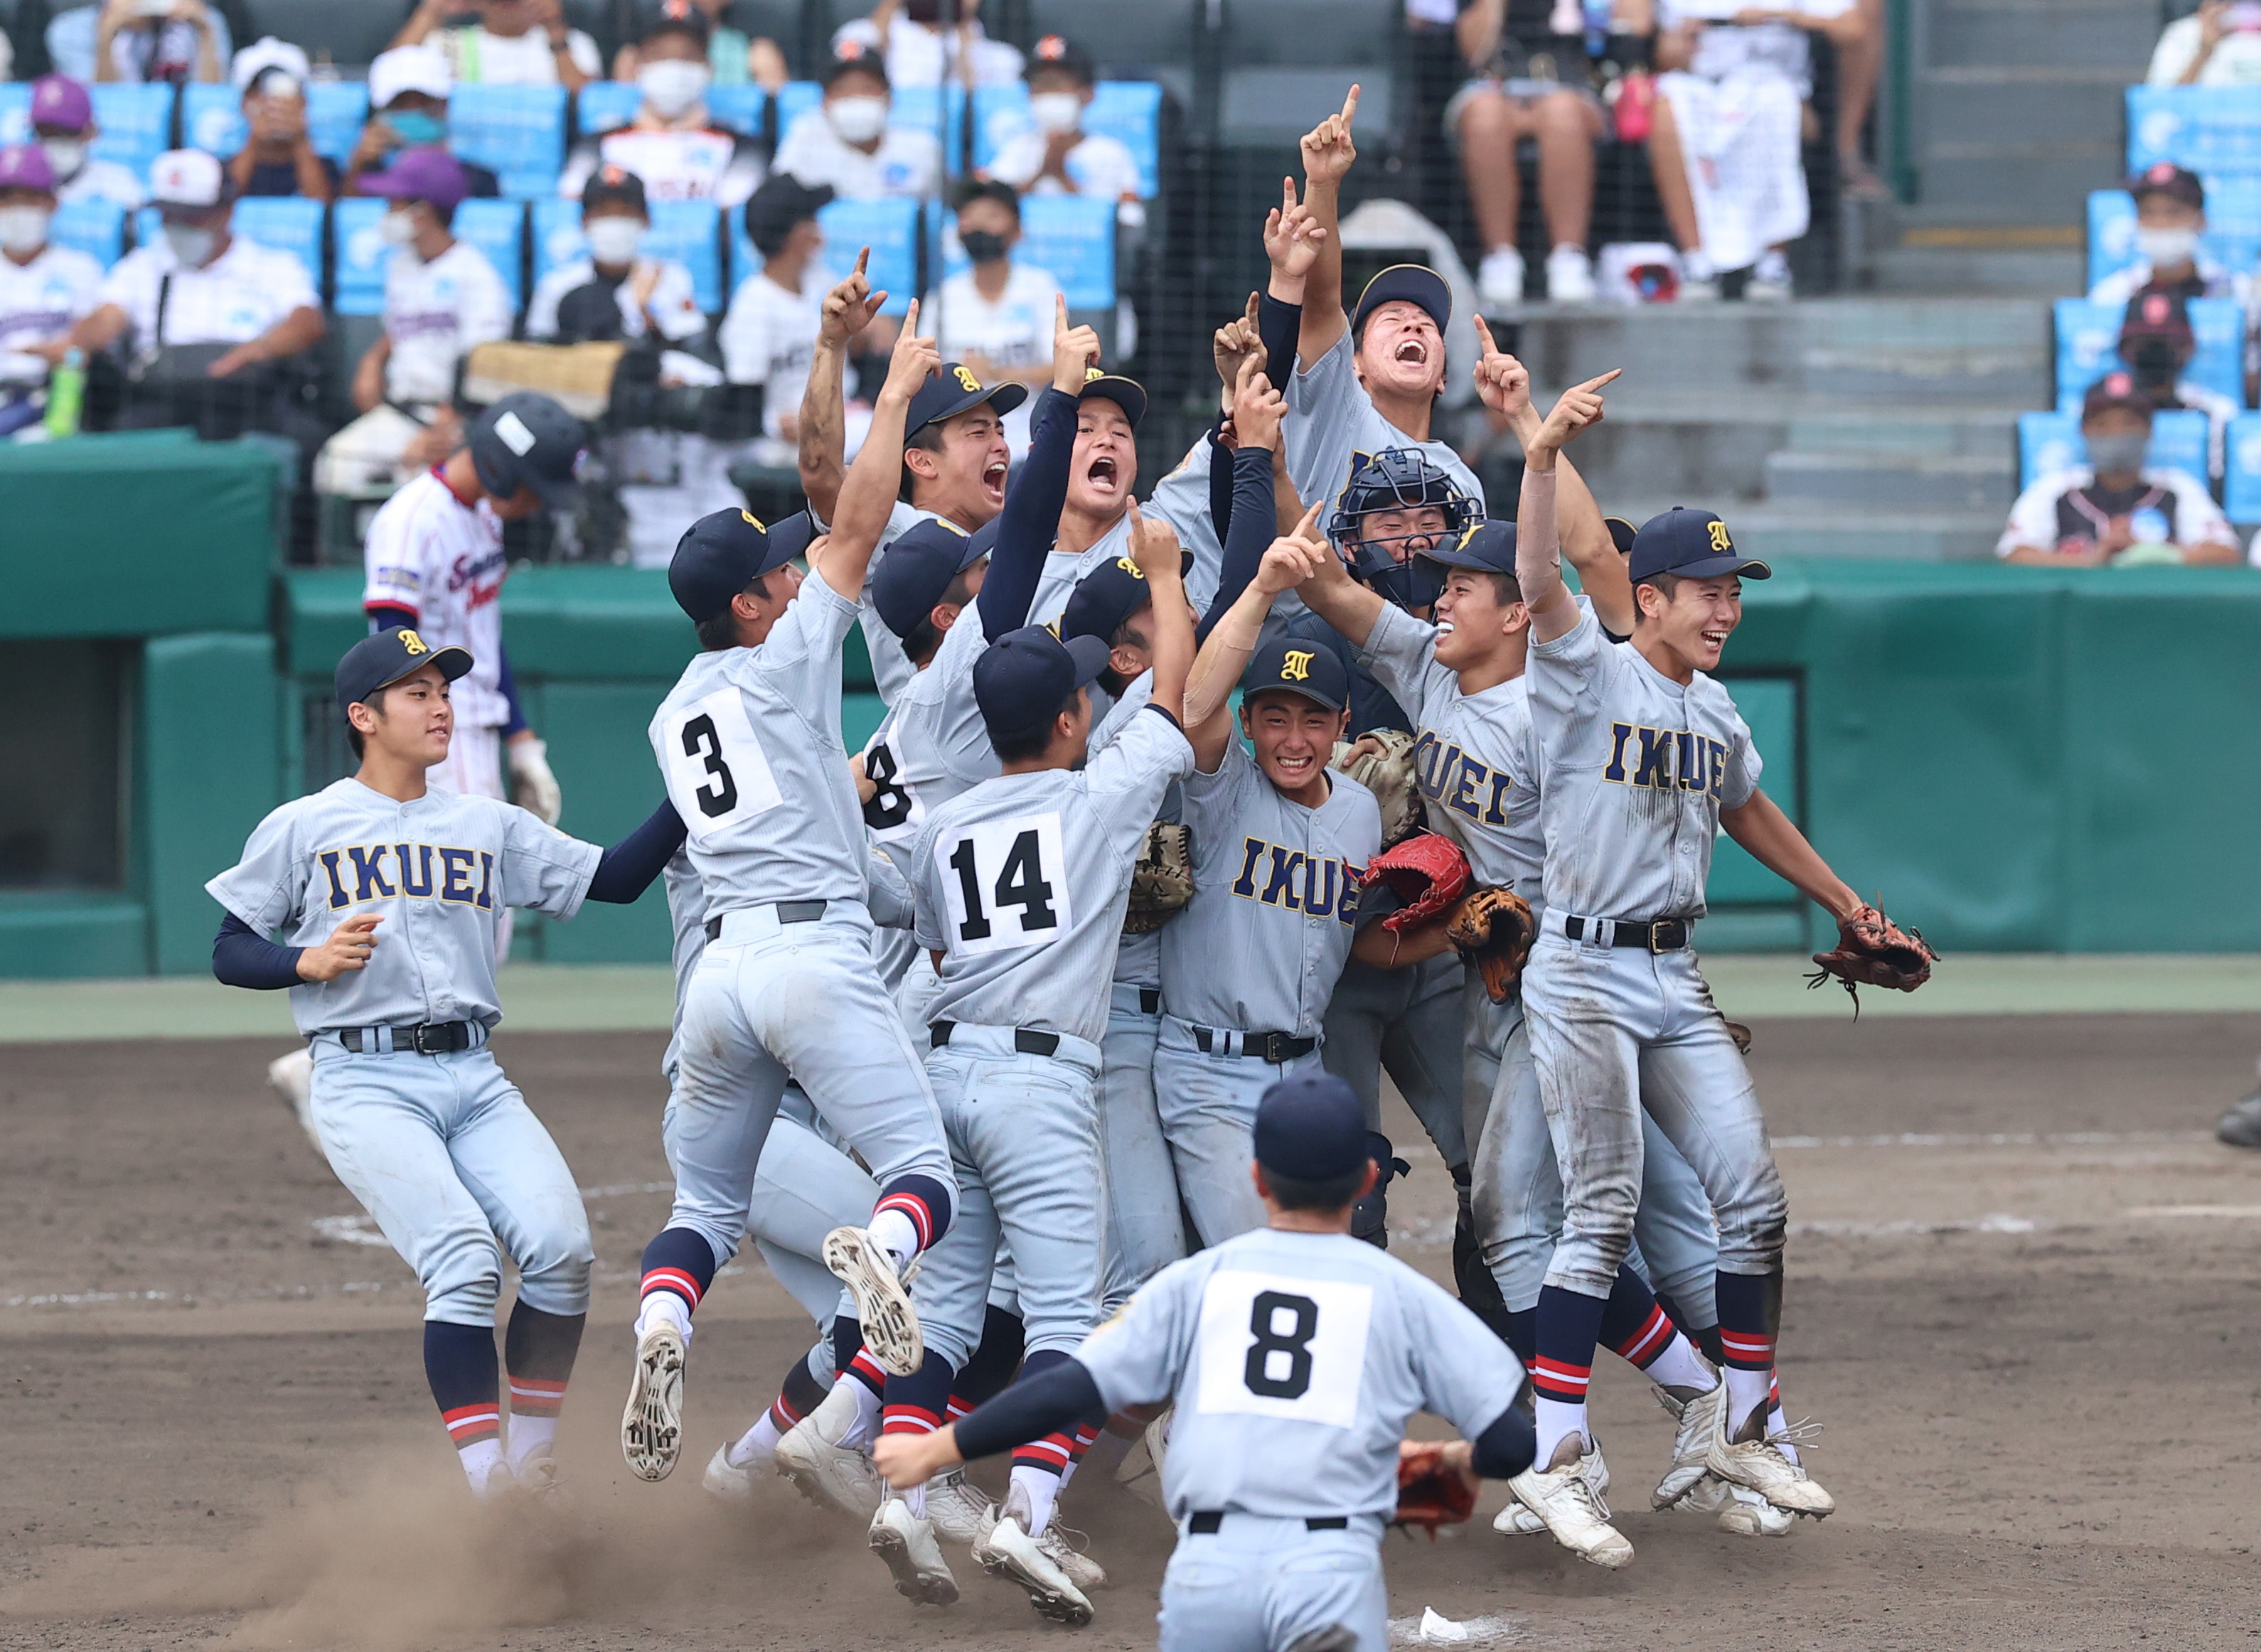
1002,883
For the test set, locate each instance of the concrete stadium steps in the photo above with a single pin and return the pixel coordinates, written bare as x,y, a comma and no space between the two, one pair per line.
2097,33
1770,529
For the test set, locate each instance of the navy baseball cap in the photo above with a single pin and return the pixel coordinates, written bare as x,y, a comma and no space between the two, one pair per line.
1416,283
380,660
662,17
1023,678
1127,394
1622,534
1486,546
792,538
916,570
2164,177
1311,1127
1693,544
952,391
1296,665
529,441
718,556
1107,597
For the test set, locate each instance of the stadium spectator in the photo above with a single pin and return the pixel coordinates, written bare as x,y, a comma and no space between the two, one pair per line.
62,119
672,143
45,290
277,158
736,57
203,303
1526,82
610,292
2157,342
441,298
846,144
769,334
921,49
997,317
2115,508
146,40
1726,135
408,89
1053,154
2219,45
514,43
2170,218
1860,63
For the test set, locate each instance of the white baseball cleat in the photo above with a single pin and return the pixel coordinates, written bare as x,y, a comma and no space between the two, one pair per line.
957,1511
1691,1443
883,1307
1745,1514
726,1481
293,1075
1562,1495
827,1472
651,1425
1760,1465
1059,1543
1009,1552
906,1543
1140,1472
1516,1521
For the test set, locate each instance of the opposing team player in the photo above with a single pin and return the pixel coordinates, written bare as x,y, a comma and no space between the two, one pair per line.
1295,1356
389,889
749,743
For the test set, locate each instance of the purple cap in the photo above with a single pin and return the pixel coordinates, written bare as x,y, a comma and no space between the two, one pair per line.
57,100
23,166
421,175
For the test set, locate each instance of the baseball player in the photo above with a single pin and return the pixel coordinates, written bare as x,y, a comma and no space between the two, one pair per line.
434,562
388,890
1021,885
750,742
1642,760
1294,1354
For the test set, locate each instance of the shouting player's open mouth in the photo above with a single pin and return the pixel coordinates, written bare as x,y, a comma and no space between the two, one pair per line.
992,480
1103,476
1414,351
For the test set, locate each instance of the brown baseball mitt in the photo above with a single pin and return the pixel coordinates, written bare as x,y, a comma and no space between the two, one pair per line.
1390,777
1493,929
1426,871
1873,951
1162,881
1428,1493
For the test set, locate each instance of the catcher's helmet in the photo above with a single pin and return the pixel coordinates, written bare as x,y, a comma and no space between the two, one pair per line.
1397,479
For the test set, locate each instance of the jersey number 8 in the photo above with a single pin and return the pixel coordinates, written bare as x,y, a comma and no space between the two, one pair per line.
1278,1364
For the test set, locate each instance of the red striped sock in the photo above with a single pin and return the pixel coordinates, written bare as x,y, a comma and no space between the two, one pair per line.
468,1425
530,1397
1654,1336
867,1371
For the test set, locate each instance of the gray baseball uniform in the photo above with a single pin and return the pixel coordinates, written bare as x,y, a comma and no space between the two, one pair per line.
1251,961
1331,425
1293,1361
441,1150
1021,885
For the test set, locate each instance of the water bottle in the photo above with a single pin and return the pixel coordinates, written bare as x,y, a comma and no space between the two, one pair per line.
1597,27
66,394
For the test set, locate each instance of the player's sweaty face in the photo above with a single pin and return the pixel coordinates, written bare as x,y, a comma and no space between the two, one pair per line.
1471,622
1106,459
1405,533
1294,738
1697,623
969,485
416,720
1402,350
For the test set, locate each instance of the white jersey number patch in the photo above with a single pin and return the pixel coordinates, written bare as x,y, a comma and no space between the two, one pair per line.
1004,884
716,775
894,814
1273,1346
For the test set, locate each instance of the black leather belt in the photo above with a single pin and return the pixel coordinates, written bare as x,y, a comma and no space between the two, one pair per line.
1666,934
1205,1522
434,1038
1150,1000
1026,1039
788,912
1273,1046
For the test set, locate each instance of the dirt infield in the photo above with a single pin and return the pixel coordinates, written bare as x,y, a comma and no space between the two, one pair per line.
2022,1298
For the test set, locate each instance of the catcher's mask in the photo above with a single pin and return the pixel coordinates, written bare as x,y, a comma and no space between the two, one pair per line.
1394,567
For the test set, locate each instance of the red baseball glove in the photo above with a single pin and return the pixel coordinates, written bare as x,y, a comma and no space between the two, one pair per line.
1430,1494
1873,951
1428,872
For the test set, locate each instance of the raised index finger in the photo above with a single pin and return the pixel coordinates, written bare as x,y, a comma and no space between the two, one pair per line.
1060,310
863,261
1350,107
1311,515
1483,336
1595,384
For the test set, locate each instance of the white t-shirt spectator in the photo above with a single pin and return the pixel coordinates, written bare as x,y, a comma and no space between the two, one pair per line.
2222,281
919,55
1726,48
39,301
769,338
1100,166
1013,333
698,165
103,180
2236,61
234,299
2167,507
906,162
479,58
433,314
673,303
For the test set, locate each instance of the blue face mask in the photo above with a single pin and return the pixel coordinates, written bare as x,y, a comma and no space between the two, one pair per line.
418,129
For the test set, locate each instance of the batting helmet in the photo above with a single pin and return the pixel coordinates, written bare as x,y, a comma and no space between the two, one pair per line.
527,441
1397,479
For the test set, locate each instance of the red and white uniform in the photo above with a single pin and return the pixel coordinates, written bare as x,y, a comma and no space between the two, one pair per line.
429,553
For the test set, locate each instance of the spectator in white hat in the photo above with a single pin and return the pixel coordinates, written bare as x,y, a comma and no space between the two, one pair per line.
514,43
278,157
408,89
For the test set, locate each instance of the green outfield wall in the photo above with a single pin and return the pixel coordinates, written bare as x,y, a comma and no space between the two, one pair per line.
2016,760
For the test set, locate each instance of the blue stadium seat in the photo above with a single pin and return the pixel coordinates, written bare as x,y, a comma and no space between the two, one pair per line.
2209,129
498,228
2233,226
2087,338
605,105
889,227
211,119
2051,441
685,230
1071,236
95,227
516,132
136,123
742,109
556,230
15,112
2240,493
1128,110
359,254
336,111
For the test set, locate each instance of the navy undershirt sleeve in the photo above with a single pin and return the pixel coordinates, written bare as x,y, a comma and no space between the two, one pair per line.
243,957
626,869
1030,522
1280,325
1052,1399
1250,536
1506,1448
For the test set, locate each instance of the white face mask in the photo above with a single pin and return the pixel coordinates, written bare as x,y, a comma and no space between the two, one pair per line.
397,226
1056,112
614,239
193,246
672,85
858,119
66,155
23,229
2167,245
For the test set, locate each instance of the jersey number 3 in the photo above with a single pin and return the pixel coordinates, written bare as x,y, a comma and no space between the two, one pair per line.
716,775
1002,885
1277,1347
